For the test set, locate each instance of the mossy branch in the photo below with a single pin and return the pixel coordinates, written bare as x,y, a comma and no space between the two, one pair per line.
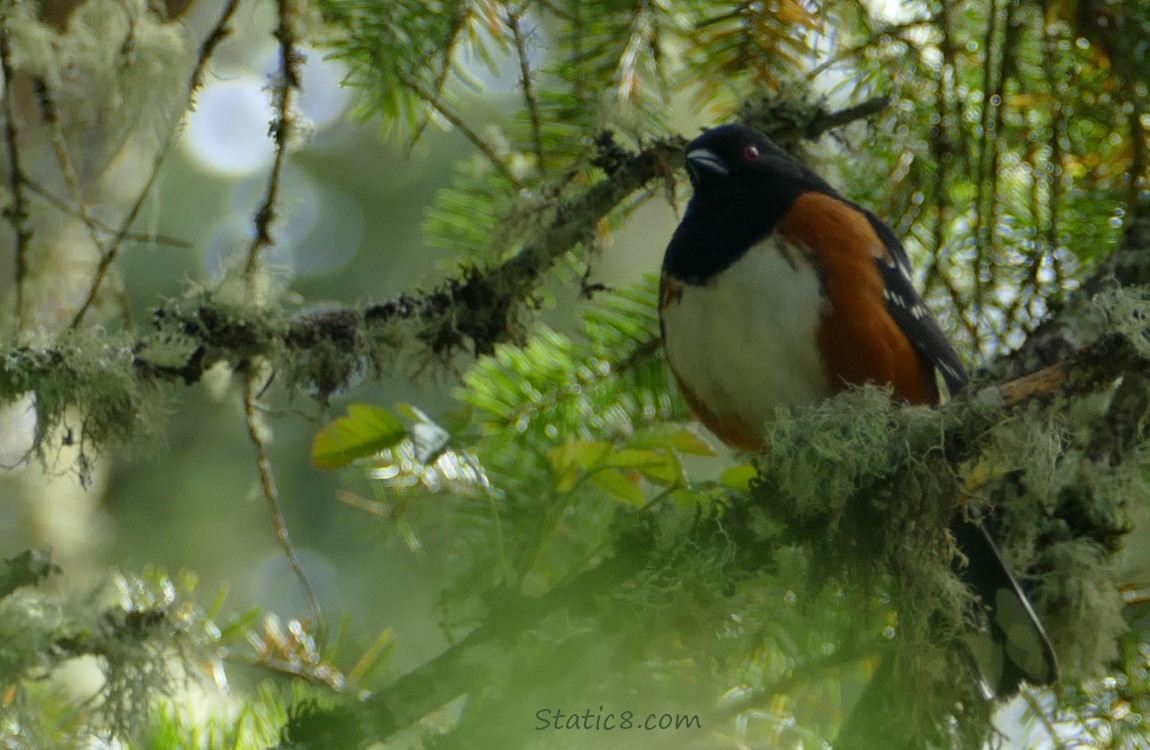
321,352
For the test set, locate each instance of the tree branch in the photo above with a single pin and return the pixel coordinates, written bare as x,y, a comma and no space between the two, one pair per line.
322,351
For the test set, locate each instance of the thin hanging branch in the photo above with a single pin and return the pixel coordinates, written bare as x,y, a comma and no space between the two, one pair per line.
50,115
271,494
982,229
447,113
282,128
514,21
997,98
215,37
1058,128
940,143
63,206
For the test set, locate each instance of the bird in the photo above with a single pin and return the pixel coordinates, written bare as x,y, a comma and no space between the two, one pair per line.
777,291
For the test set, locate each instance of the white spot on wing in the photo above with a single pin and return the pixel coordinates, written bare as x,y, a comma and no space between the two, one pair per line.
891,260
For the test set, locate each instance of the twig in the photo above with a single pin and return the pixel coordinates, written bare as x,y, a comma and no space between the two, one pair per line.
17,213
50,115
1051,54
60,204
215,37
999,101
457,23
516,26
1040,383
873,37
271,495
940,142
830,120
1036,709
459,124
281,129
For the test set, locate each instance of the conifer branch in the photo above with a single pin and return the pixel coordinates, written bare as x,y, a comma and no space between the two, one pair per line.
476,310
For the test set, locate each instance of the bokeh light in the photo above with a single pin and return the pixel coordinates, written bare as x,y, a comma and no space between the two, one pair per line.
227,133
318,228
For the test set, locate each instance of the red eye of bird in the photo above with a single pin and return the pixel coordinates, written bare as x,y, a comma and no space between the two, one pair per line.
750,153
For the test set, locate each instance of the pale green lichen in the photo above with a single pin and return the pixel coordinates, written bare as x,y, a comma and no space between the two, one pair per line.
1081,607
1031,440
29,620
821,455
1127,312
86,391
865,485
116,66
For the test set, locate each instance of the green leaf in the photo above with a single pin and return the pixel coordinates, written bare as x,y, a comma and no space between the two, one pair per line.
619,486
739,477
688,441
582,454
681,439
633,458
669,473
365,431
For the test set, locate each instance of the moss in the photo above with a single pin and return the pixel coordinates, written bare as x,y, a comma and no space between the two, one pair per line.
822,455
29,620
868,488
1081,607
1127,311
86,391
324,353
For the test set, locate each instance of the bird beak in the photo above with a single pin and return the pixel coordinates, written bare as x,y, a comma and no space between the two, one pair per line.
702,161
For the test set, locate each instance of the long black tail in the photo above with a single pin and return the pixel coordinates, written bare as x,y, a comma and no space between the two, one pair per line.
1012,647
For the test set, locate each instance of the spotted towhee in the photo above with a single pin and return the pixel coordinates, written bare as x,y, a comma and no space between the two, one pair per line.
776,291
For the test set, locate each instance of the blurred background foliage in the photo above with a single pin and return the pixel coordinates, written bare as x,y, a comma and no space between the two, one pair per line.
433,137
